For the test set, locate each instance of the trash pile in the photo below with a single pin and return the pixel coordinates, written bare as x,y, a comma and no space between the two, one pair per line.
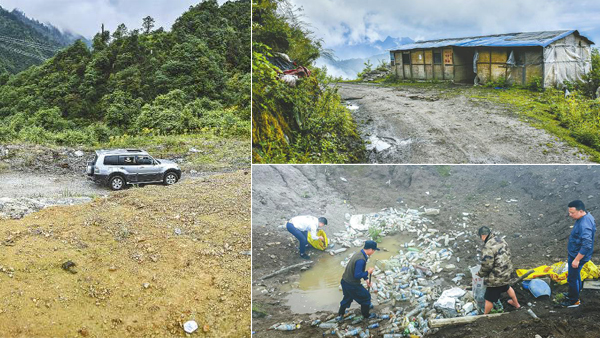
408,284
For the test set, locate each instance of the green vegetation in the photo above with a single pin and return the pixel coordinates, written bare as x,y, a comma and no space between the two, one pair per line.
139,86
301,123
375,233
575,119
443,170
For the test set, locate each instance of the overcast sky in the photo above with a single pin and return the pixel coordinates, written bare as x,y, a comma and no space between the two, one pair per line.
340,22
85,16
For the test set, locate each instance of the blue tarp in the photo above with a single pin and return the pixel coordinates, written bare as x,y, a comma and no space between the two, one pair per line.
541,39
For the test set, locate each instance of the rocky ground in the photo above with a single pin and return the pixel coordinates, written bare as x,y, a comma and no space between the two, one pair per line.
527,204
135,263
427,124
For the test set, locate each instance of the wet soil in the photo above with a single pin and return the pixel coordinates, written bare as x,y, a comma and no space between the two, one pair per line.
143,262
416,124
527,204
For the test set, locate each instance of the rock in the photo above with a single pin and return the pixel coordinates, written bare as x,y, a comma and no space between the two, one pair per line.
68,266
194,150
193,172
79,153
190,326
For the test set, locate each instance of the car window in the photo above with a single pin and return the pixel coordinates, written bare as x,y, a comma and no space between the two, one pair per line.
111,160
127,160
143,160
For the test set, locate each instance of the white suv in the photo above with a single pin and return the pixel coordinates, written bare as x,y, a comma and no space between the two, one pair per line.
118,167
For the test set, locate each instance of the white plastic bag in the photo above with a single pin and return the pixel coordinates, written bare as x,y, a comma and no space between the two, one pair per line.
478,288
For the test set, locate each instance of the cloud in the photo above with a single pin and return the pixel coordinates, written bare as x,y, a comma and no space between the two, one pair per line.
348,22
86,16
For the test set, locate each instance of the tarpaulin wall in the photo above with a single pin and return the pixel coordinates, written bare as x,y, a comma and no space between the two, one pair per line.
567,59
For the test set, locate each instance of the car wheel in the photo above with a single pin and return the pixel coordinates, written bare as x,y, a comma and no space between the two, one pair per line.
170,178
116,183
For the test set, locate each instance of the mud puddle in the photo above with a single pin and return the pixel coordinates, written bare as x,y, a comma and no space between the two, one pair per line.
318,287
379,145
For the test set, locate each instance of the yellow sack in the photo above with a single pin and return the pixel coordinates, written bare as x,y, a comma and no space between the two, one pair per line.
316,243
559,271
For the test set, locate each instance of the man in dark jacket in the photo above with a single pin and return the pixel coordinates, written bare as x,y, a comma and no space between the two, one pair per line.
496,269
351,281
580,248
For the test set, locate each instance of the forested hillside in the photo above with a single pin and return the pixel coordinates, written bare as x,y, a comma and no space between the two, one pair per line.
194,77
23,43
301,123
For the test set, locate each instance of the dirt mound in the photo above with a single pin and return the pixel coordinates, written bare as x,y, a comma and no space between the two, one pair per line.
527,204
143,262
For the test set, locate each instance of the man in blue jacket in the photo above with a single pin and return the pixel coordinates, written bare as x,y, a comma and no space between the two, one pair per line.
351,281
580,248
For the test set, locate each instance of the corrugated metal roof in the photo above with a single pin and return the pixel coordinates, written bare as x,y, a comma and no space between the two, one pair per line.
541,39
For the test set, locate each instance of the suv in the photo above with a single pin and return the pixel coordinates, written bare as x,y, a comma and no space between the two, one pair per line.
118,167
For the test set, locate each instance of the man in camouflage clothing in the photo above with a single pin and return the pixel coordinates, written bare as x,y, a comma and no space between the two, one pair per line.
496,269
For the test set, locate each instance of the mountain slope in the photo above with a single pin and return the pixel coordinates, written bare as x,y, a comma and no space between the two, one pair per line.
49,31
192,78
349,68
349,60
25,42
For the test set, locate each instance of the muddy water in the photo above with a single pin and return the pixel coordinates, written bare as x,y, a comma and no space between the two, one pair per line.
318,287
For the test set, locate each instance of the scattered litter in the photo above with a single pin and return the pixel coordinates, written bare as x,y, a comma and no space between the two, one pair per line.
343,179
190,326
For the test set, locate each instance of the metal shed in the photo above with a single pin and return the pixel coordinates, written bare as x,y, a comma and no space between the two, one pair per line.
552,57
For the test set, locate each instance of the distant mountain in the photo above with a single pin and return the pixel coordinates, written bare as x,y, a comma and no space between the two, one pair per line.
48,30
368,48
348,69
349,60
25,42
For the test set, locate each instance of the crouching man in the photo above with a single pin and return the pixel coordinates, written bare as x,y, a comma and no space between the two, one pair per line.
496,269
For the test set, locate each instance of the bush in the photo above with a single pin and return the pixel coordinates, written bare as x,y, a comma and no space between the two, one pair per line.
35,135
167,115
74,138
7,134
50,119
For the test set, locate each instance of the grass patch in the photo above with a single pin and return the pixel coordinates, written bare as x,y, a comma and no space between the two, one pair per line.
574,119
443,170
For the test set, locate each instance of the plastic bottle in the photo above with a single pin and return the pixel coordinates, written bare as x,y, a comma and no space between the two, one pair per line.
327,325
384,316
353,332
286,327
315,322
373,326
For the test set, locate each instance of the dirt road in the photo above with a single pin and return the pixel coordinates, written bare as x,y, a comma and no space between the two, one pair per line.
527,204
414,124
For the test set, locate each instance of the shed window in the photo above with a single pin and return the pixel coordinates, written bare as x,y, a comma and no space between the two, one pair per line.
437,57
406,58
